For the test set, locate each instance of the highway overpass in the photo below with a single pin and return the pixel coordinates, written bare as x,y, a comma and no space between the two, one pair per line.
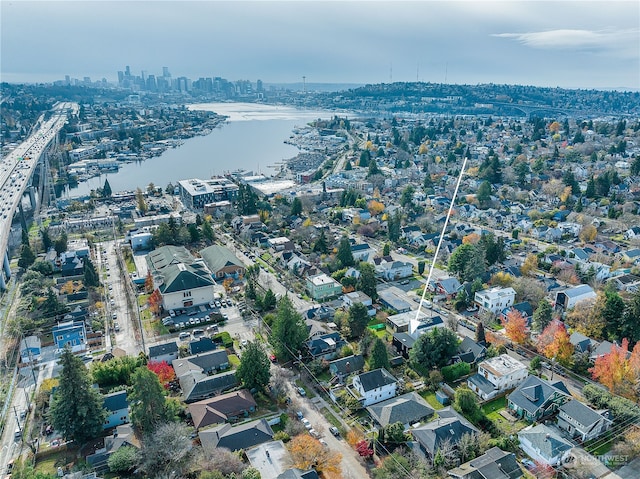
16,170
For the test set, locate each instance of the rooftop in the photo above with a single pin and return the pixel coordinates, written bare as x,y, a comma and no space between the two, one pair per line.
502,365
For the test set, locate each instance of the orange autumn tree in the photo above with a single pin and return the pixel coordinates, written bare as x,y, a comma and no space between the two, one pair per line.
515,327
554,342
307,452
155,300
165,373
619,370
148,282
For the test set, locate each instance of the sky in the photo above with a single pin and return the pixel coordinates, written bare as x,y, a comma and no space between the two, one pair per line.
568,44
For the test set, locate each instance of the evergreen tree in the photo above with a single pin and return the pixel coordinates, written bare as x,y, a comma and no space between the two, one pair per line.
365,157
288,331
591,188
379,355
76,410
344,255
147,401
542,315
47,243
394,223
253,371
320,246
358,318
61,243
484,194
373,169
480,336
367,282
296,207
106,189
268,300
386,249
27,256
91,277
207,231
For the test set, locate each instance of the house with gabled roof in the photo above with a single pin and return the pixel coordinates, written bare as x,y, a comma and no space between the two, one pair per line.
197,386
536,398
568,298
408,409
374,386
123,436
581,422
497,375
343,367
493,464
543,444
236,438
326,346
224,408
448,428
470,351
117,407
163,352
362,252
222,262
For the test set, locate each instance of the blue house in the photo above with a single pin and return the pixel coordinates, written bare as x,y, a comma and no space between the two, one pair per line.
30,349
117,408
72,334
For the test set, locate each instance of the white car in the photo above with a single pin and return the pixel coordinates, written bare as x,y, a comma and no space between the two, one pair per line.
306,423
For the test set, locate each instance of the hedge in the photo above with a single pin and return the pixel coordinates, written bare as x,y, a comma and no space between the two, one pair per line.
455,371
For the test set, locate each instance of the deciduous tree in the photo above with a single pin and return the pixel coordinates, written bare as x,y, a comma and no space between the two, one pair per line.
530,265
307,452
165,373
433,349
554,342
515,327
619,370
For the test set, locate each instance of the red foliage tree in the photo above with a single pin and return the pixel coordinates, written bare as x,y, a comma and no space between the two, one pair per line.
554,342
165,373
364,449
155,300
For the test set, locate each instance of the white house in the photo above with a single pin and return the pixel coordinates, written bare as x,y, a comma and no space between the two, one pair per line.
394,270
496,375
495,300
362,252
356,297
543,444
572,296
374,386
632,233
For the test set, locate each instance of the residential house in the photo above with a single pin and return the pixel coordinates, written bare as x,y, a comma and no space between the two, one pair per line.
524,308
495,300
343,367
632,233
30,349
582,343
470,352
407,409
164,352
356,297
601,349
374,386
389,299
207,363
497,375
271,459
626,282
543,444
568,298
582,422
236,438
362,252
72,334
222,262
224,408
536,398
322,286
394,270
281,243
493,464
403,342
71,264
201,345
448,428
197,386
117,407
631,256
123,436
448,287
326,346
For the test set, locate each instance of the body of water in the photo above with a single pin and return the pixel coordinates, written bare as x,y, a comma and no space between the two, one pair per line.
252,139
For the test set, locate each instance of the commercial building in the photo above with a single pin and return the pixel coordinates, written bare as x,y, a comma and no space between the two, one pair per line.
195,193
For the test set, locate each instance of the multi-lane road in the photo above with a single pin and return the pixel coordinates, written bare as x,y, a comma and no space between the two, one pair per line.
17,167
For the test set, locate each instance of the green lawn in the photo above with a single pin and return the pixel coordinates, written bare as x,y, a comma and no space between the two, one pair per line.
430,397
492,408
234,361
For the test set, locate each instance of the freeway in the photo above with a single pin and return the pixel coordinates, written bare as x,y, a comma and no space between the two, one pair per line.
17,167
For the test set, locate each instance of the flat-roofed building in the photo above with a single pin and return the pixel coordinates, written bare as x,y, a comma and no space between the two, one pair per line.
196,193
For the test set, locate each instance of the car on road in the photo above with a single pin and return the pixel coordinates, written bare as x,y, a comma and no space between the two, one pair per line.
305,422
244,343
116,326
323,442
114,316
300,415
404,281
301,391
314,433
334,430
198,333
184,336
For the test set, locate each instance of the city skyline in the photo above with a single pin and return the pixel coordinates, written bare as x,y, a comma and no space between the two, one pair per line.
570,44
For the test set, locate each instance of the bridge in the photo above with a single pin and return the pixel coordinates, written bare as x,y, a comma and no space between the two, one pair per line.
16,171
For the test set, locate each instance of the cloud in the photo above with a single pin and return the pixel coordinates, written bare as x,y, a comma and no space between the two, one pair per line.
584,40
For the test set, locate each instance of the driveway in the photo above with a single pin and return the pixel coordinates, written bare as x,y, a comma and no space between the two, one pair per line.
352,467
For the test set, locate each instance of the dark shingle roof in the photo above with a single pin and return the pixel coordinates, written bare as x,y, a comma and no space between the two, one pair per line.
347,365
196,386
451,428
116,401
533,393
162,349
376,379
235,438
202,345
406,409
482,383
217,257
581,413
182,277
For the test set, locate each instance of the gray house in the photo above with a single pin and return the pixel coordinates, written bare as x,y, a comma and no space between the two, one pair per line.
407,409
582,422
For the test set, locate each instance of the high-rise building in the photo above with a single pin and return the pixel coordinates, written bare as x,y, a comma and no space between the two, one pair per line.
259,86
165,72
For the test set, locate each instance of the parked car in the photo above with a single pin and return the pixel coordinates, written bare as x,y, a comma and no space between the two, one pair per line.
116,326
306,423
314,433
300,415
198,333
184,336
301,391
334,430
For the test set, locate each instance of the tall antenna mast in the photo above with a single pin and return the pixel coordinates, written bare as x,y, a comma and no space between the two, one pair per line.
444,228
304,84
391,72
